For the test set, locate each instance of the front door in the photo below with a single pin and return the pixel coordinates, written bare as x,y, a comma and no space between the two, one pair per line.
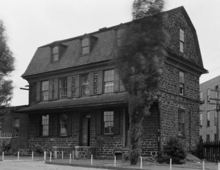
86,130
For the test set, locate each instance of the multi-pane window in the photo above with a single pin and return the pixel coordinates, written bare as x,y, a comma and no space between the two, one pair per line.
16,126
201,96
73,86
215,118
109,81
63,87
208,119
45,125
85,84
119,36
181,122
55,53
85,46
182,40
208,95
95,85
200,119
207,138
44,90
63,124
108,122
181,82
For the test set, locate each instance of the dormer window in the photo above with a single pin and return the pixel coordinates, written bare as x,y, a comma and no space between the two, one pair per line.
119,37
85,46
55,53
182,40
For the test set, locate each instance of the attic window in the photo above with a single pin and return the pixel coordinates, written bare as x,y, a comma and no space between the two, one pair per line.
55,54
119,37
85,46
182,40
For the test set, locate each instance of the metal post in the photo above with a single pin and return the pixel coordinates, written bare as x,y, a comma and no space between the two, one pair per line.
18,155
62,154
3,156
141,164
45,155
70,158
170,163
32,155
114,161
203,165
50,157
91,159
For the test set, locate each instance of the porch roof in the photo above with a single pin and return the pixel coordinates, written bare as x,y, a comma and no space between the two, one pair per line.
92,101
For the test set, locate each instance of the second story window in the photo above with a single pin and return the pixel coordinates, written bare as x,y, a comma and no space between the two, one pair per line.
85,84
181,83
44,90
63,87
182,40
109,81
208,119
85,46
55,53
45,125
16,127
200,119
208,95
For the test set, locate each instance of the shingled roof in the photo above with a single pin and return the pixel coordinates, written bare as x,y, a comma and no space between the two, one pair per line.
103,50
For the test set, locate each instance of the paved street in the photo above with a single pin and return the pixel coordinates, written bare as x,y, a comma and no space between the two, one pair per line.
35,165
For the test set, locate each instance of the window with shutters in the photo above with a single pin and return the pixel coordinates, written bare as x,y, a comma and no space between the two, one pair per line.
85,46
182,40
109,81
95,83
181,122
63,87
16,127
73,86
45,125
181,83
55,53
44,90
108,119
85,85
208,119
63,124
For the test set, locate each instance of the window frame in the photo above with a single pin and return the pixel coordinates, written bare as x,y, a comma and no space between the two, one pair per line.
105,82
181,83
208,119
84,85
16,129
182,40
85,45
181,125
63,88
111,121
44,91
56,53
65,124
47,121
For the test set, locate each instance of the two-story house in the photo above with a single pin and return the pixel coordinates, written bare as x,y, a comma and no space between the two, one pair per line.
76,98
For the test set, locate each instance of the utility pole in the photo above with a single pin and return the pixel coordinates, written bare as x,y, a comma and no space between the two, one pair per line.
217,112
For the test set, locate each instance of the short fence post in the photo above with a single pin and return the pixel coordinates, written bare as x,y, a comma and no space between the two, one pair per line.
32,155
141,165
70,158
203,165
45,155
18,155
91,160
73,155
218,166
50,157
114,161
55,154
3,156
62,154
170,163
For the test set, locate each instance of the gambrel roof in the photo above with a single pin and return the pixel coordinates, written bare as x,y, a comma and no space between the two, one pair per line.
103,50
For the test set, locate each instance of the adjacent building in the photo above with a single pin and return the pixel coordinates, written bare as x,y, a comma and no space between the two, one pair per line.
78,102
209,110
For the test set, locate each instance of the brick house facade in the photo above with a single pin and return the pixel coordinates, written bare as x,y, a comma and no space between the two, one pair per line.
77,101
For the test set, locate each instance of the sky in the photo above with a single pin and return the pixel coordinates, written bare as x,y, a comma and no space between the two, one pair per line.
33,23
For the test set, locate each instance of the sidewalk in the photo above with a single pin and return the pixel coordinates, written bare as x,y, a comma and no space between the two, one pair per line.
109,164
